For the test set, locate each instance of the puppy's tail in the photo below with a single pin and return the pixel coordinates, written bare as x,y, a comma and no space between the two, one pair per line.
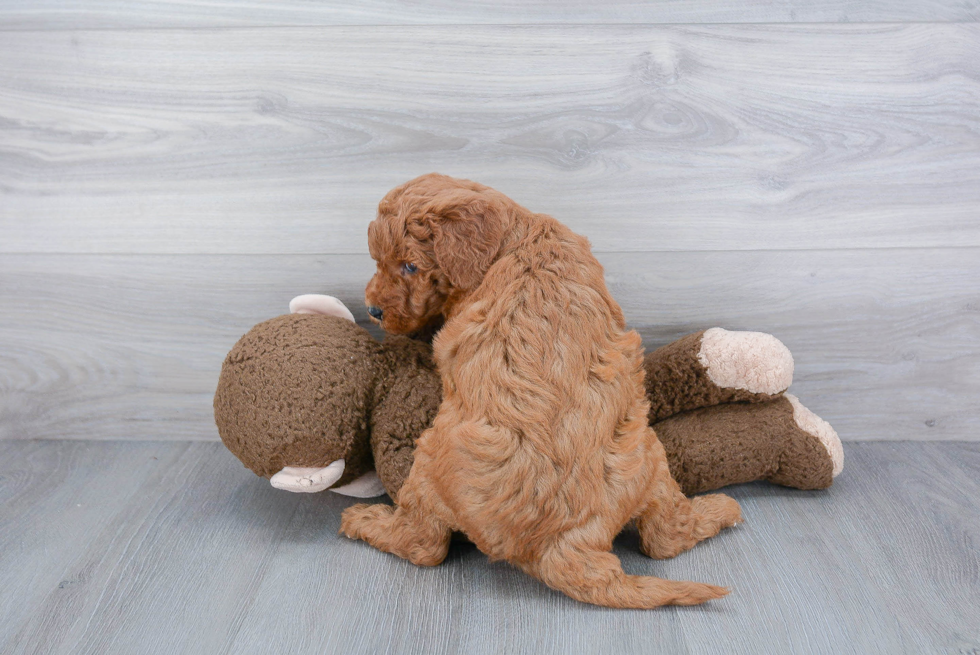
597,577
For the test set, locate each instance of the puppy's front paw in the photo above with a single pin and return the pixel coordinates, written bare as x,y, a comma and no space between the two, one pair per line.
362,521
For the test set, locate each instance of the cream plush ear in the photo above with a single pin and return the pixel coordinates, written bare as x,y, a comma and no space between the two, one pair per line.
313,303
367,486
307,480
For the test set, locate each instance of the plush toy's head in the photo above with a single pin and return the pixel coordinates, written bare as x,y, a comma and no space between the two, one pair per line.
296,391
312,401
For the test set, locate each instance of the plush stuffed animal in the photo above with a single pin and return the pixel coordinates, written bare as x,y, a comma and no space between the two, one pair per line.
311,400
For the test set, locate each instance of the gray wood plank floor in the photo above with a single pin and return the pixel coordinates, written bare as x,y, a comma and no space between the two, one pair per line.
643,138
129,547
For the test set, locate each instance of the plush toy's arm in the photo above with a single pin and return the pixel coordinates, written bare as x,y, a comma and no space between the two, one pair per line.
405,406
716,366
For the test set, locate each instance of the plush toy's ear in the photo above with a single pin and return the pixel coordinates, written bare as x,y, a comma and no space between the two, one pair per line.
312,303
367,486
300,479
307,480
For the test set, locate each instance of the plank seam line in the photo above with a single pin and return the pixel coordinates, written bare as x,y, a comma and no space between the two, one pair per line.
365,253
330,26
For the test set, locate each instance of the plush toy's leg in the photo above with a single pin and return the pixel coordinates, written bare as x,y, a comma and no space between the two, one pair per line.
814,426
780,441
410,530
716,366
672,523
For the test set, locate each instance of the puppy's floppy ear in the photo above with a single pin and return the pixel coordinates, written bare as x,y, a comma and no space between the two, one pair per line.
467,230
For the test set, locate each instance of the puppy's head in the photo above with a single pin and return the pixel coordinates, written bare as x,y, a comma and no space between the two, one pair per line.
433,241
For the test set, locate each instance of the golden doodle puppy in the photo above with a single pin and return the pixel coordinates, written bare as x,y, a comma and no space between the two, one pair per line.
541,451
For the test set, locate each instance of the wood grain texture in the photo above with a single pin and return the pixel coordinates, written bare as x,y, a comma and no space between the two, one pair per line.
282,140
176,548
74,14
121,347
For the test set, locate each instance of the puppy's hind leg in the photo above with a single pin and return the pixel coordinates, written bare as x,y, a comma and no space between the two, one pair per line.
590,575
672,523
411,530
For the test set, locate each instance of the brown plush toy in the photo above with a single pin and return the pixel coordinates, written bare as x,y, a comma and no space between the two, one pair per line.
312,401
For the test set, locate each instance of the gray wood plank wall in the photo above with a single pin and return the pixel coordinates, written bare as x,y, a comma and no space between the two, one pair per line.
169,178
74,14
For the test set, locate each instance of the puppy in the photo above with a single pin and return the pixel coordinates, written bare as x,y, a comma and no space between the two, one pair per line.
541,451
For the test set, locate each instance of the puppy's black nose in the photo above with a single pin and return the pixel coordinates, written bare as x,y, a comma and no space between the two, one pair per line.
375,312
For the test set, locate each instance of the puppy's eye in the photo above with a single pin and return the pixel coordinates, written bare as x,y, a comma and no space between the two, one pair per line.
409,268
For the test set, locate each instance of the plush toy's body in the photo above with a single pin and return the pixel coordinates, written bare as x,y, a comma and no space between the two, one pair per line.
311,400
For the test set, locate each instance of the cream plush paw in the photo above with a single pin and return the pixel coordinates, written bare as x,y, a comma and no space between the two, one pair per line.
821,429
752,361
